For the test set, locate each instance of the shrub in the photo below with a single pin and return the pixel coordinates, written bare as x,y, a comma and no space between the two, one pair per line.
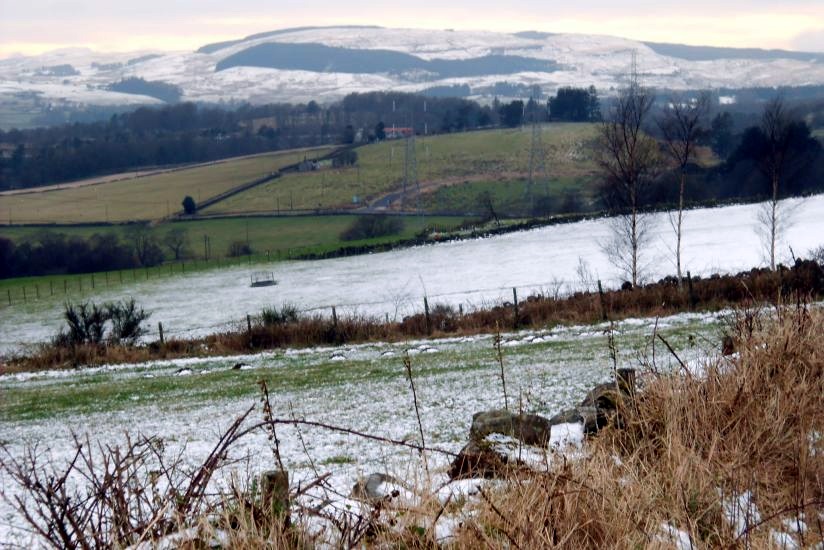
345,158
271,316
239,248
189,205
371,226
542,206
87,323
127,321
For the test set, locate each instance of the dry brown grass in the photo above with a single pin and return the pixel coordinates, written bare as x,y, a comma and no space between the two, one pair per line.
690,444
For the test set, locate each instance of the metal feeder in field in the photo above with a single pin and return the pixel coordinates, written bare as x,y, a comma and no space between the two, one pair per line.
263,278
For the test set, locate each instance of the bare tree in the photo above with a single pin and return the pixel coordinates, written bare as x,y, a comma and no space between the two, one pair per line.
177,241
144,245
776,126
681,125
629,159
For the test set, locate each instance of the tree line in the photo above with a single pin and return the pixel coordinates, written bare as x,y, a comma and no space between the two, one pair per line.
647,158
51,252
186,133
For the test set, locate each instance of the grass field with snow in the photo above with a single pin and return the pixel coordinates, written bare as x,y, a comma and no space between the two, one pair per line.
471,273
364,388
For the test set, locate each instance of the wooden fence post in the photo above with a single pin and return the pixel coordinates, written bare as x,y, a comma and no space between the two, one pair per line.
274,493
249,328
8,291
334,324
603,302
426,313
160,330
515,307
37,291
92,281
690,290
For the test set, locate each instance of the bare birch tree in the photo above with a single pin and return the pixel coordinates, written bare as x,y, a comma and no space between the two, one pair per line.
776,128
629,159
681,125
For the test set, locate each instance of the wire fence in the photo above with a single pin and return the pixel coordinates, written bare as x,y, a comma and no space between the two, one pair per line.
387,309
25,290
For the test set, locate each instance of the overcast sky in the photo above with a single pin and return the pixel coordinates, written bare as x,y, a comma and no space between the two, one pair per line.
35,26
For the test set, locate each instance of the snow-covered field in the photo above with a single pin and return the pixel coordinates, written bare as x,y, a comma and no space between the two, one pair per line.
602,61
188,402
471,273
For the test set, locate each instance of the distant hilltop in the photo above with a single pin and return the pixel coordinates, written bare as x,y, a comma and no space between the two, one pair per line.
326,63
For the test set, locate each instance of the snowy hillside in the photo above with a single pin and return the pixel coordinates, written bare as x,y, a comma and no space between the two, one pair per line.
316,63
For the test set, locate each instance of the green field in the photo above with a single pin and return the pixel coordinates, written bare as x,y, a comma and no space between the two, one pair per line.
493,156
513,197
145,198
268,237
283,233
477,159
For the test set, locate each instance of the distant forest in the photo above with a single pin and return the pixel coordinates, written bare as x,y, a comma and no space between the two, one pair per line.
187,133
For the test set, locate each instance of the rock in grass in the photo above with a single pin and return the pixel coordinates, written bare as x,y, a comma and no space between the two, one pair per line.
478,459
593,418
531,429
374,487
569,416
604,396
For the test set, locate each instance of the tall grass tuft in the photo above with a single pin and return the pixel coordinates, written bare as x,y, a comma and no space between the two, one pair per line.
726,457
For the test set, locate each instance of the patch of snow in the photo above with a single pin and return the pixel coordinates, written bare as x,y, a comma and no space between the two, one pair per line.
795,525
563,436
741,512
680,539
784,541
446,528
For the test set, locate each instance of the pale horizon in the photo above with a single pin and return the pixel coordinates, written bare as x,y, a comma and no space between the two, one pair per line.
797,25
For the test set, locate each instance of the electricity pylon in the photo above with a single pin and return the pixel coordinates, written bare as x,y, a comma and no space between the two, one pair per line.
537,161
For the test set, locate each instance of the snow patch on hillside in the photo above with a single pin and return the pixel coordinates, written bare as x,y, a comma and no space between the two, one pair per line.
598,60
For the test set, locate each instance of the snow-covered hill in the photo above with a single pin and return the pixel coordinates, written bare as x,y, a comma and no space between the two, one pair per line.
257,70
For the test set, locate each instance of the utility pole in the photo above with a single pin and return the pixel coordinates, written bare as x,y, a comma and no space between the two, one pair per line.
537,160
410,167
